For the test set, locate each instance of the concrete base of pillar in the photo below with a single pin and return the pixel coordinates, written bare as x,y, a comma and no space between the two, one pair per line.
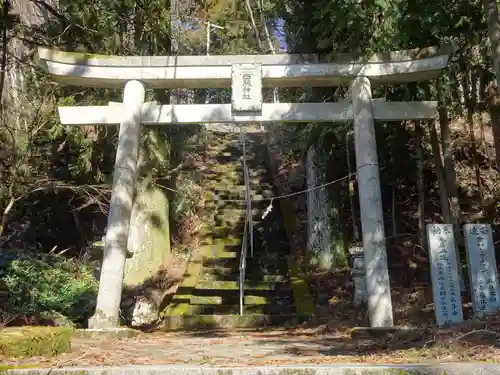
113,333
102,321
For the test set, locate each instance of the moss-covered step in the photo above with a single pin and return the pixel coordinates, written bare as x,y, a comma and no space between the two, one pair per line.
220,250
238,204
223,255
232,195
254,270
224,181
221,231
235,309
34,341
231,222
221,204
173,323
180,301
213,275
248,300
227,173
239,189
228,214
284,292
234,285
227,234
228,241
220,234
232,263
238,229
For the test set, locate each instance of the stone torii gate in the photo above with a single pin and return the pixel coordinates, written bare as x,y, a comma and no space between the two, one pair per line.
245,75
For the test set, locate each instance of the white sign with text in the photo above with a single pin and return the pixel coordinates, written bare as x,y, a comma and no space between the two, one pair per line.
482,269
444,274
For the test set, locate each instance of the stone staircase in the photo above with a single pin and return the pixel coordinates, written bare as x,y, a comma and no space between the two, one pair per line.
209,295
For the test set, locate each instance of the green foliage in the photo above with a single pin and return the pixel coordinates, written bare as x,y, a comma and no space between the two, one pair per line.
34,341
50,284
186,200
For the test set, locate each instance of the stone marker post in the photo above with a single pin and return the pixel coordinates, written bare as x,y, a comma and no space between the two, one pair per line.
320,242
444,274
358,275
372,219
107,313
482,269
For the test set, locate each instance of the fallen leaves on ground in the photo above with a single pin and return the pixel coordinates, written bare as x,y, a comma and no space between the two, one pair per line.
280,346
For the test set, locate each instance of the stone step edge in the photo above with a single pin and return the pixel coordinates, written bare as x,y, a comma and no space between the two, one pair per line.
234,285
171,323
251,278
248,310
247,301
190,278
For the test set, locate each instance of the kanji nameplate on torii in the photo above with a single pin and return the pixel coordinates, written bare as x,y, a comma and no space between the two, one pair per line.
246,88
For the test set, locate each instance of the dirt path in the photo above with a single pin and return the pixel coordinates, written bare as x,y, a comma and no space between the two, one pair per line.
268,347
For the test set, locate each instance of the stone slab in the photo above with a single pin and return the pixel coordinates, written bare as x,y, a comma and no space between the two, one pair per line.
444,274
208,322
155,114
482,269
465,368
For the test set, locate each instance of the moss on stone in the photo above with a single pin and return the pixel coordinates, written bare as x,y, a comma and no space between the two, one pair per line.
179,305
233,285
303,299
227,321
228,241
149,238
35,341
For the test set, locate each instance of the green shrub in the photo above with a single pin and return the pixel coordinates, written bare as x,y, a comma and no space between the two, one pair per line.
52,284
34,341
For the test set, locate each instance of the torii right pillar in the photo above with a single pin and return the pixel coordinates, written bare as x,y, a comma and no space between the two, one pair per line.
370,202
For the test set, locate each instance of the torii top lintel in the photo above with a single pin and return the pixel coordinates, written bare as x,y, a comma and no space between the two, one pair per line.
282,70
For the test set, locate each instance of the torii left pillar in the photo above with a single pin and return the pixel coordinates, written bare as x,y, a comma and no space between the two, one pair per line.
107,314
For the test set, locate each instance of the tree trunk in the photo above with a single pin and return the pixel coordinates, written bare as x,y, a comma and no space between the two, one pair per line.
448,162
494,109
478,78
438,165
469,94
355,228
5,41
393,215
493,21
495,125
420,183
450,176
